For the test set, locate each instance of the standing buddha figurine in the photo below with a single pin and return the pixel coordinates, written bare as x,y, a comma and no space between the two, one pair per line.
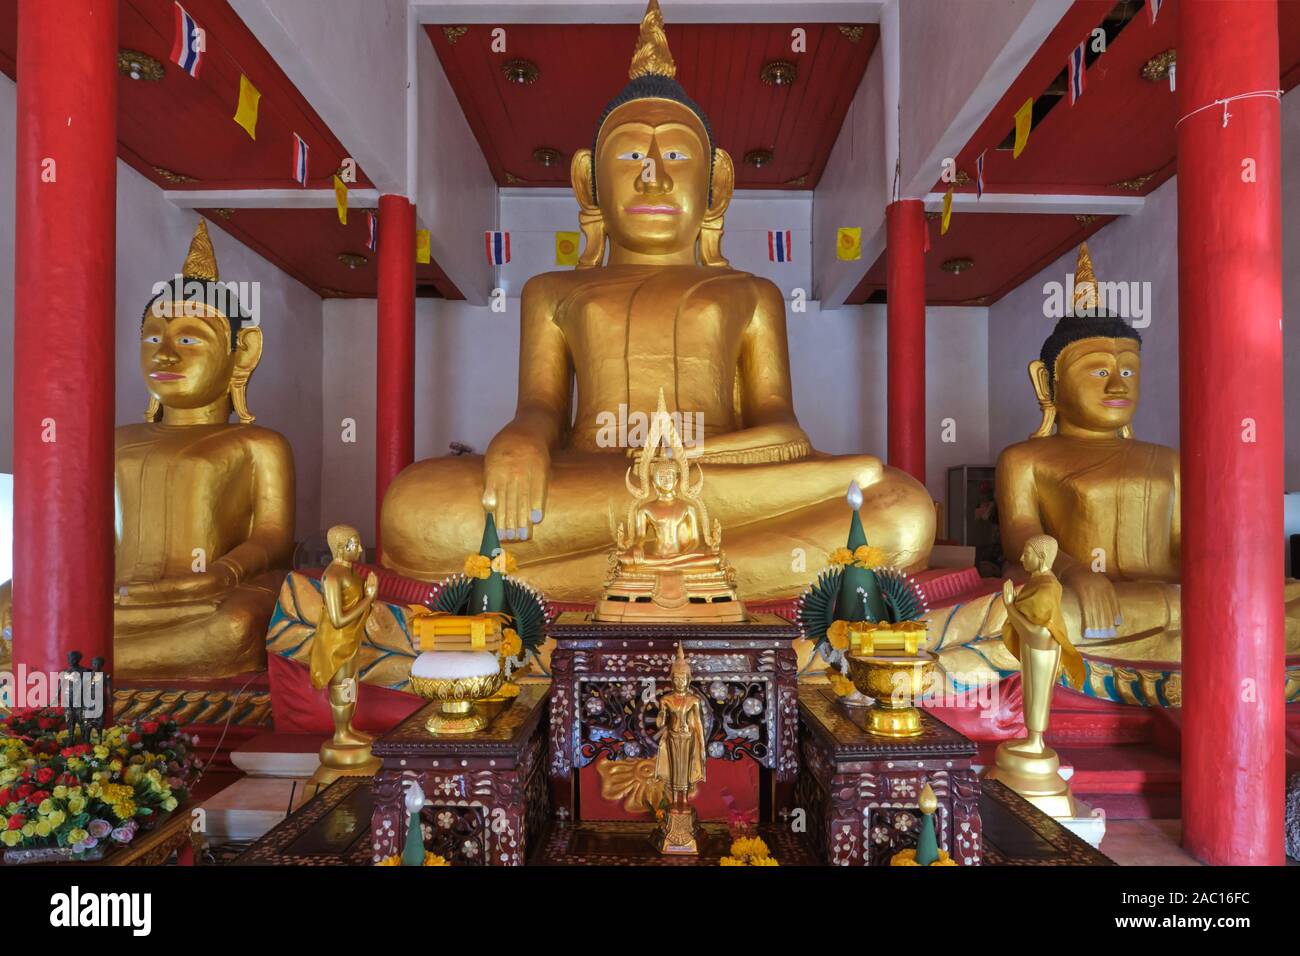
345,610
679,765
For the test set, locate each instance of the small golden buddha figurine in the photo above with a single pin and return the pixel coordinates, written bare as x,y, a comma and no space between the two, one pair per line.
668,564
345,611
205,508
680,763
652,303
1110,500
1035,635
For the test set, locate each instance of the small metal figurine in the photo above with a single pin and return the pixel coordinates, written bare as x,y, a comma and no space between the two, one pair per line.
99,719
70,697
681,759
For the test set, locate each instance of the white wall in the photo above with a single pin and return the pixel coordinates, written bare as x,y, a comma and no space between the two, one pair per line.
152,239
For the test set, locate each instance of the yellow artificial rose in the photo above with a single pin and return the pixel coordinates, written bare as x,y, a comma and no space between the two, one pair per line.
76,803
77,835
478,566
101,752
61,792
56,819
43,828
9,775
46,807
868,557
11,837
29,829
168,804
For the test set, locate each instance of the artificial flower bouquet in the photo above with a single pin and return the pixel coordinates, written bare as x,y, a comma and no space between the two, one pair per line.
62,799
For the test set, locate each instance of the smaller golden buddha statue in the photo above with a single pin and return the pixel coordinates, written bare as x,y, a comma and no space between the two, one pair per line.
1035,634
679,765
668,563
346,609
205,507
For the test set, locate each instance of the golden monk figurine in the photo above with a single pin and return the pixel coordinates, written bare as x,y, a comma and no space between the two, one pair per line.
1035,635
346,609
679,764
662,309
205,508
1109,499
668,564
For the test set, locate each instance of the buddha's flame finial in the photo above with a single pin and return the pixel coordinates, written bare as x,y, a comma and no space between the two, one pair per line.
652,57
1085,284
201,261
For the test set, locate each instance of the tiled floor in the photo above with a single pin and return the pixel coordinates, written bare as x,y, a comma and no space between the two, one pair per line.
1145,843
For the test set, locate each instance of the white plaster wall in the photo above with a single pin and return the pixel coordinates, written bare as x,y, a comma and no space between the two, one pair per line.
456,195
152,239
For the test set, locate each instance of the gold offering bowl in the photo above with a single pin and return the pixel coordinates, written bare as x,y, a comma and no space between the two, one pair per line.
894,683
457,696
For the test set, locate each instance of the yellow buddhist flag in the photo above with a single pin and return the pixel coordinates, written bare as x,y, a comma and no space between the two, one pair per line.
341,199
848,244
947,212
1024,118
246,113
422,246
566,248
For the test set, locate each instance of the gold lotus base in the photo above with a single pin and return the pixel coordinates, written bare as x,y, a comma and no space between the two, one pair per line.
1035,775
456,696
893,683
678,834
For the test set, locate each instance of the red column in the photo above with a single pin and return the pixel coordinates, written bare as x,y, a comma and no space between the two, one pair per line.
905,344
66,220
395,385
1230,393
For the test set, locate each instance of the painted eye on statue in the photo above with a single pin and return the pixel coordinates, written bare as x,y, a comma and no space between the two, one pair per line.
1101,373
635,155
189,340
676,154
153,339
1126,373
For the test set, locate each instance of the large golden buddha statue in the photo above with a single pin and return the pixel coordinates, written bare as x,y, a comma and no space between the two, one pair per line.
664,309
205,508
1110,500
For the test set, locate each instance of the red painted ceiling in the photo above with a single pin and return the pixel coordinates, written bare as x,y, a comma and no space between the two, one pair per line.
582,67
185,125
1122,129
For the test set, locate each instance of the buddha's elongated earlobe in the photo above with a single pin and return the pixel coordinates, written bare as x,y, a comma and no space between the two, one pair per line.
1038,375
247,356
724,181
153,411
581,173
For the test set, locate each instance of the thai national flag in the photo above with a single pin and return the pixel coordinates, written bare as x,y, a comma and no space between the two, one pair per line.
979,176
300,149
498,247
778,245
1077,70
372,232
1153,9
187,52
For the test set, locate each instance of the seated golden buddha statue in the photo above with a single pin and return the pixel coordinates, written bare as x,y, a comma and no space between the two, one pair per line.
668,563
597,343
205,508
1110,500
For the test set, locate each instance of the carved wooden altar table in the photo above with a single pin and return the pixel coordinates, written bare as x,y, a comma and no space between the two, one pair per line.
860,791
485,792
607,677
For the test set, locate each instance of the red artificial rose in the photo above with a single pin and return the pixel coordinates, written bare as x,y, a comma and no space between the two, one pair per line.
47,723
133,738
149,726
25,791
16,821
44,775
39,796
6,797
67,779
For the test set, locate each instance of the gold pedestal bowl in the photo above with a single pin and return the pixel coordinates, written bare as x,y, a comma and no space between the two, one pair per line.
894,683
457,695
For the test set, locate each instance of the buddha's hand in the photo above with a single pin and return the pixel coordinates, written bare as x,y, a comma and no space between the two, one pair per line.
516,471
1098,604
372,586
186,589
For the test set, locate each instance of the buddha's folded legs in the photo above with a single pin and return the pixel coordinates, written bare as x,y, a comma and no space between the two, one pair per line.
171,643
779,520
